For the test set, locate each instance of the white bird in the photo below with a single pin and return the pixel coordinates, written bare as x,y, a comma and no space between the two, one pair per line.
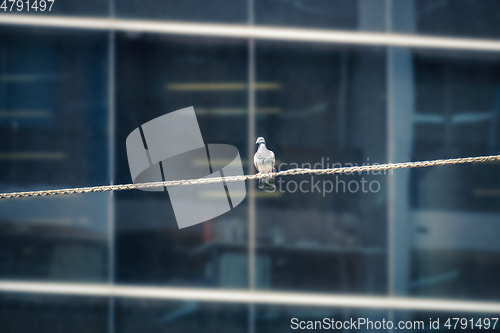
264,163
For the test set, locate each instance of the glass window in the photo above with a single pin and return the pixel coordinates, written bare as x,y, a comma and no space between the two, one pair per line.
157,75
58,314
180,316
337,14
458,18
219,11
456,209
54,134
70,97
326,108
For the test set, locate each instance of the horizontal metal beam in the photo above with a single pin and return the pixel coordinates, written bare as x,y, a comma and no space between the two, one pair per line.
249,297
254,32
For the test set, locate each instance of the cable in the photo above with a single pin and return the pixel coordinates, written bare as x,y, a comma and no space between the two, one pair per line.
291,172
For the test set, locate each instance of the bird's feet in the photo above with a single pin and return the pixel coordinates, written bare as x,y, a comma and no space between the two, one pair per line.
262,183
270,186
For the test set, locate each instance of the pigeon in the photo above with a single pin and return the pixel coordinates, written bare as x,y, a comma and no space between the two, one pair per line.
264,163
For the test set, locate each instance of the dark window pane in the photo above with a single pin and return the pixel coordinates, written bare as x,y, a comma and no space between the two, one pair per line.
53,108
322,232
54,134
220,11
455,209
337,14
286,318
158,75
458,18
181,316
52,314
455,272
457,115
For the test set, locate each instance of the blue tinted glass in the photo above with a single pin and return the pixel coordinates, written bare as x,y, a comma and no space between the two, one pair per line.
181,315
188,10
459,18
457,115
158,75
41,313
282,318
420,233
456,209
327,109
338,14
54,134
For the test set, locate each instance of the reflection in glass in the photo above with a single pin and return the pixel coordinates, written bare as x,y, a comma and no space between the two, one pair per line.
175,316
456,209
336,14
219,11
322,232
157,75
52,314
53,134
458,18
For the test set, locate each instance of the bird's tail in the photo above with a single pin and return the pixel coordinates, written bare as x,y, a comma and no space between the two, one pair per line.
262,185
269,184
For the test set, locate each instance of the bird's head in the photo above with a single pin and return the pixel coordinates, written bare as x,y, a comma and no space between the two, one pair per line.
260,140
